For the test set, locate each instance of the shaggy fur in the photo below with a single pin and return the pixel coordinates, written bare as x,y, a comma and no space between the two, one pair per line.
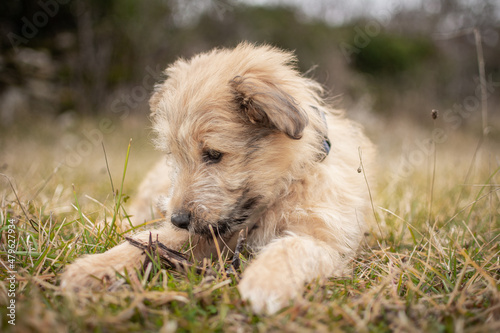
243,133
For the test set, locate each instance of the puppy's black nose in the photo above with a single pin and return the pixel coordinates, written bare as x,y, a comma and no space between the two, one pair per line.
181,219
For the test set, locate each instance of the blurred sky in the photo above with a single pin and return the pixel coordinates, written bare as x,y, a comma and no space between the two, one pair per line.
453,14
338,11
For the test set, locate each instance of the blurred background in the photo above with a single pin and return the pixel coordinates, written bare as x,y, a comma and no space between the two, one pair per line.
74,73
389,57
75,80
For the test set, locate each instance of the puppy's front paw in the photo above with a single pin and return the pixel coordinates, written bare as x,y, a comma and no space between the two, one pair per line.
90,272
99,270
268,291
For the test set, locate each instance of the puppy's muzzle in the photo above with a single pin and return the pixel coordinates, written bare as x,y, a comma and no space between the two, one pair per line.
181,219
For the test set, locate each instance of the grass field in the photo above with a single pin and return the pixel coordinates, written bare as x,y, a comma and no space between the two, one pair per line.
430,262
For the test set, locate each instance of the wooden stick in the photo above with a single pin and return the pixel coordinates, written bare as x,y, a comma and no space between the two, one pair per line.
172,259
168,257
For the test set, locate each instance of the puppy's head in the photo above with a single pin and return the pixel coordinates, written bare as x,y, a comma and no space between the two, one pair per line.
239,127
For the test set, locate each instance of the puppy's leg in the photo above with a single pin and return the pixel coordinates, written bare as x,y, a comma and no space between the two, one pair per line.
279,272
94,271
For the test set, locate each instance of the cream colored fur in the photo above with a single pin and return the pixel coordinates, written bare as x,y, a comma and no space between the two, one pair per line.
305,214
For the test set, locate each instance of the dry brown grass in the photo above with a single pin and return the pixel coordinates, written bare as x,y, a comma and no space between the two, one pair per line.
433,265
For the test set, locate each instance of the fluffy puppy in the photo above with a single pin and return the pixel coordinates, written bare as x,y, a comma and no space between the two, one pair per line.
249,144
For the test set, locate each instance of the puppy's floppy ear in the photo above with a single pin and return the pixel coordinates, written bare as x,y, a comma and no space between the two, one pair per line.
265,104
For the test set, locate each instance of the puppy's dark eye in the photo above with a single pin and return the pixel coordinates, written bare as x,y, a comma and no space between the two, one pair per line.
212,156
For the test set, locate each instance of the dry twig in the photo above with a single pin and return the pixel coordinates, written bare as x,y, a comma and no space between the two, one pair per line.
172,259
169,258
